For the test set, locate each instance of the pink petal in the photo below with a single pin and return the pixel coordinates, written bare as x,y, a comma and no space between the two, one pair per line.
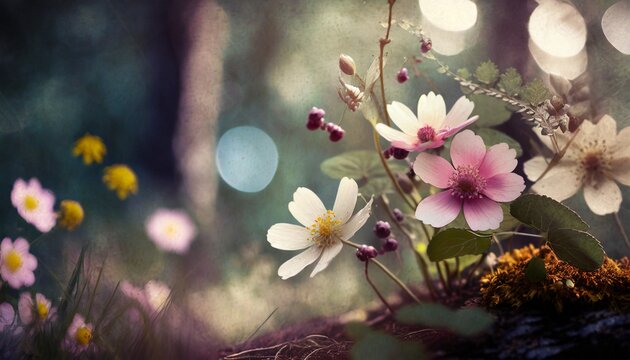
467,149
439,209
482,214
449,131
21,245
499,159
459,112
504,187
433,169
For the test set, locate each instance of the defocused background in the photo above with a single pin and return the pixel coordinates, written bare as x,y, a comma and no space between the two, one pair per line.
165,82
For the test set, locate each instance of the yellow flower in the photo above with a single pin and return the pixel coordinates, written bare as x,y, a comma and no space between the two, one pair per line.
91,148
122,179
71,214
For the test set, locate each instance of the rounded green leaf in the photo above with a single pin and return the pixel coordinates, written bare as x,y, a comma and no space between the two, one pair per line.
451,243
358,164
578,248
491,111
493,137
544,213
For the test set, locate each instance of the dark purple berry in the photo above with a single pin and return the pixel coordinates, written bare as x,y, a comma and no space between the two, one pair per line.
402,75
387,153
316,114
390,244
314,124
382,229
426,45
337,134
330,127
398,215
366,252
399,154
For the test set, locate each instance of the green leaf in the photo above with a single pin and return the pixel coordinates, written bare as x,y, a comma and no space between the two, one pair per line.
544,213
535,270
493,137
510,82
487,72
463,73
465,322
450,243
357,165
535,92
377,186
509,222
578,248
491,111
376,345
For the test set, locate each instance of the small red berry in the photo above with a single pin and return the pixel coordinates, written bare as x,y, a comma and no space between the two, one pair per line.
390,244
403,75
399,154
366,252
426,45
382,229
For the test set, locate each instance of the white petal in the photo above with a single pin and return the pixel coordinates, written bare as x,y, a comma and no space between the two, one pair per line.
297,263
431,110
395,135
358,220
606,130
306,206
327,257
288,237
459,112
560,183
620,170
534,167
346,199
404,118
604,197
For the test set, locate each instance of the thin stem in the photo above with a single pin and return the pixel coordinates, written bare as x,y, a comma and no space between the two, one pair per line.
517,233
494,237
383,42
475,267
441,276
554,142
387,272
621,229
379,150
378,293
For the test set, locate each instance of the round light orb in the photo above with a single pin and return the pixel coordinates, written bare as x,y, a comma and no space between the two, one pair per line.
450,15
567,67
247,158
616,26
557,28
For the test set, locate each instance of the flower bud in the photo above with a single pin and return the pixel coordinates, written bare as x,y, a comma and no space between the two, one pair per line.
402,76
398,215
405,183
382,229
366,252
316,114
347,65
336,134
390,244
426,45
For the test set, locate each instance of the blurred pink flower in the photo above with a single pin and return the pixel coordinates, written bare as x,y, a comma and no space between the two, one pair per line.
7,316
40,310
171,230
432,126
152,298
478,179
16,263
321,231
79,335
34,204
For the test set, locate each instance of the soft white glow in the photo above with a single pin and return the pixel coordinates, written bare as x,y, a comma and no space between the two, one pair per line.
450,15
449,43
568,67
616,26
247,158
558,29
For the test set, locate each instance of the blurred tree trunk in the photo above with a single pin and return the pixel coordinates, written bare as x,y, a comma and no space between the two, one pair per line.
201,27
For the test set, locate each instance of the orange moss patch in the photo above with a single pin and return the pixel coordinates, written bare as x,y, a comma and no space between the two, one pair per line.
564,285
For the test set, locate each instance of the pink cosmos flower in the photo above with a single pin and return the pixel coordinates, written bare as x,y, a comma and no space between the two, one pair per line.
477,180
79,335
7,316
432,126
16,263
34,204
171,230
40,310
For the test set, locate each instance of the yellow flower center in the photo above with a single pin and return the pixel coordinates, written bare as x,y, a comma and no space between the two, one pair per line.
83,335
91,148
122,179
30,202
71,214
170,230
324,229
42,311
13,261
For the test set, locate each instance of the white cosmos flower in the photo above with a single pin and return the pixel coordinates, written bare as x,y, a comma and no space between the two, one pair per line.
322,230
596,160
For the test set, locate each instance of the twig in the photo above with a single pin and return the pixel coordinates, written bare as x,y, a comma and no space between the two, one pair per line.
379,149
383,42
621,229
261,325
378,293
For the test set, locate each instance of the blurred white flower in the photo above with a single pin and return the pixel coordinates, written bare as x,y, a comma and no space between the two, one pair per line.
322,229
171,230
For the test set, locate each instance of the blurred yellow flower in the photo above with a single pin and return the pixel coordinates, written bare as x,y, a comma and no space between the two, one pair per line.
71,214
122,179
91,148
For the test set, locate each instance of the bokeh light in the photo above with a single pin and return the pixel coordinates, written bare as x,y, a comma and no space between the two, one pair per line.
450,24
558,29
616,26
247,158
